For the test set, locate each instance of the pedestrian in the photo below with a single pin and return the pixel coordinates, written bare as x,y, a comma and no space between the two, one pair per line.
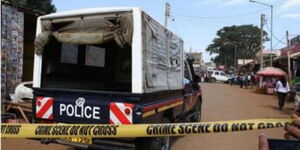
235,79
209,77
232,79
253,79
282,88
246,81
205,77
249,83
242,80
238,79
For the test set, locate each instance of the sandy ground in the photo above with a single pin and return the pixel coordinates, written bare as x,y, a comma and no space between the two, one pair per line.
220,102
223,102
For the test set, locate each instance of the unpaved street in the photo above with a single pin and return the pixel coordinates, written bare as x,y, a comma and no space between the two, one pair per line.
223,102
220,102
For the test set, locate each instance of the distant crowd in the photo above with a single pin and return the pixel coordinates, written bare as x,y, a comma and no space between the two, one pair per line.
244,80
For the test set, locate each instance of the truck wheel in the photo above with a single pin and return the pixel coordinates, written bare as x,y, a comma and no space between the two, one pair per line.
155,143
197,112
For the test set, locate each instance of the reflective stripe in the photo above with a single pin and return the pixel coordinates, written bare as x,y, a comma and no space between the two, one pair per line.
151,110
42,101
44,108
48,113
118,115
113,118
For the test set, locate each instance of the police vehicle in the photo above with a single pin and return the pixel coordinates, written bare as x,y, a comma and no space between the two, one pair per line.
112,66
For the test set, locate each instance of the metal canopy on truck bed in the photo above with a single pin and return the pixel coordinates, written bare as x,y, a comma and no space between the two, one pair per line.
157,53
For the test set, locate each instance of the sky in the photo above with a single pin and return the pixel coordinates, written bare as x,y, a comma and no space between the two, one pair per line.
197,21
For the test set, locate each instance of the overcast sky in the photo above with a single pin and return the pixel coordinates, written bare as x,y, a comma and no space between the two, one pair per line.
196,21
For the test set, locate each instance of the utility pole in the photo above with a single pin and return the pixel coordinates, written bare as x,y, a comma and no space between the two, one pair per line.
225,61
288,57
271,42
262,20
287,39
235,58
289,66
167,14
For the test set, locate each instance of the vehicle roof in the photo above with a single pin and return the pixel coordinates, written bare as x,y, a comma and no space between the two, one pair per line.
92,11
88,11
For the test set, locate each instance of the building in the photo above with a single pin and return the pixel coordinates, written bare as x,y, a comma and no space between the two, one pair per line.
210,66
292,53
198,60
18,26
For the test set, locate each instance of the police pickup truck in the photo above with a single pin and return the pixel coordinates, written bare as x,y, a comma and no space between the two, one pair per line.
112,66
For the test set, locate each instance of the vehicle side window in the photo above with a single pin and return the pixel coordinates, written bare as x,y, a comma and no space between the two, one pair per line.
223,74
216,73
187,72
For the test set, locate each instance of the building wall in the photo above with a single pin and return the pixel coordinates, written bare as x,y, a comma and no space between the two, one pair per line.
198,62
12,27
196,56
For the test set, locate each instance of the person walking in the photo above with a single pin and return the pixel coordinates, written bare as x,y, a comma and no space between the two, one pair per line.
205,77
232,79
282,88
249,83
242,80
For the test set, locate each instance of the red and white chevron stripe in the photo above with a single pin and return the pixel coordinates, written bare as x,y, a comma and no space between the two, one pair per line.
120,113
44,107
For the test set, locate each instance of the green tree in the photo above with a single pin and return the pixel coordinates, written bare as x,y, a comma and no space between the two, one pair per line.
45,6
246,38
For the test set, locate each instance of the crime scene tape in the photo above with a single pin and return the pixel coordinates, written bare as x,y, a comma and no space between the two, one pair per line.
135,130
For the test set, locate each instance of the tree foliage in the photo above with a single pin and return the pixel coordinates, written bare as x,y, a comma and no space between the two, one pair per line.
246,38
45,6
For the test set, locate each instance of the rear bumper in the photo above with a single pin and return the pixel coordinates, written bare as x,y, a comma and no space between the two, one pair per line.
112,144
102,144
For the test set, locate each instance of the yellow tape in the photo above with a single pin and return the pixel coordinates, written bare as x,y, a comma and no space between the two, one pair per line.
136,130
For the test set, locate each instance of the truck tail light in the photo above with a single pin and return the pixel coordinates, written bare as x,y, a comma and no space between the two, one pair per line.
127,111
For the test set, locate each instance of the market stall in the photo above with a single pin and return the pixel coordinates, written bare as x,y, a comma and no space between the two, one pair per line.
269,75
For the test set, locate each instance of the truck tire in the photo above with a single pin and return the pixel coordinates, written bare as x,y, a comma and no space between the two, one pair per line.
197,111
155,143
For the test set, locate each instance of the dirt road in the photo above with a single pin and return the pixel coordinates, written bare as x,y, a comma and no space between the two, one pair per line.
223,102
220,102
